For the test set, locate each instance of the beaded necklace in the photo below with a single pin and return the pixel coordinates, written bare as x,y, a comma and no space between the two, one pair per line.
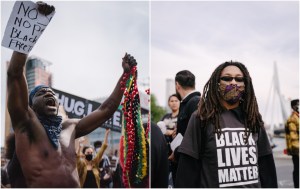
134,145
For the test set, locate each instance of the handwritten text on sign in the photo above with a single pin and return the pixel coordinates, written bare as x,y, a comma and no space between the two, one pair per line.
24,27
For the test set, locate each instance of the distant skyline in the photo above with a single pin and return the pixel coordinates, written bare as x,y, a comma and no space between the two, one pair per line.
200,35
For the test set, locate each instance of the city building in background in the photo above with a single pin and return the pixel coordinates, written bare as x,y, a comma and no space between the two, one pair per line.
170,89
37,72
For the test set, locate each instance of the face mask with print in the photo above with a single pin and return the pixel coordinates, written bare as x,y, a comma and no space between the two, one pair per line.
231,93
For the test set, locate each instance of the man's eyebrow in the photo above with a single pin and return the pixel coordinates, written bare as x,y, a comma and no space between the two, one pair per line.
45,90
42,90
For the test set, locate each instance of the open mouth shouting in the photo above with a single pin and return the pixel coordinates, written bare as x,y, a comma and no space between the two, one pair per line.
51,102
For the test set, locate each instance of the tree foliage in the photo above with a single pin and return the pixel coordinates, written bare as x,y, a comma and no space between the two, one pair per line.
157,112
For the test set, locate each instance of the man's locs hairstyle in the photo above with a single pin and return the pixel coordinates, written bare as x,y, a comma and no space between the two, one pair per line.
210,109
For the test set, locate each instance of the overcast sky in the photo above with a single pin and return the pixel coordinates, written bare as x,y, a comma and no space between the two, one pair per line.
86,41
198,36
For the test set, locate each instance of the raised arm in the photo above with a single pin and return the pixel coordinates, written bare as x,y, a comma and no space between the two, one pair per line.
80,144
17,91
109,106
106,136
79,162
102,149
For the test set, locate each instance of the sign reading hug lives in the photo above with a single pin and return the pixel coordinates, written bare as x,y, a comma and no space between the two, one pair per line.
25,26
77,107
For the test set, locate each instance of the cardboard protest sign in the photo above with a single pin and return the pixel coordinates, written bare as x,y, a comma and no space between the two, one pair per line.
25,26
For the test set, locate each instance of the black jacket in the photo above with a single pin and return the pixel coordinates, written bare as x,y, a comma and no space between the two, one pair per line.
159,158
186,109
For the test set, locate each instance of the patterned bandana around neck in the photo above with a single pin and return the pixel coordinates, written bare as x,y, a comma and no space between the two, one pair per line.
231,93
53,127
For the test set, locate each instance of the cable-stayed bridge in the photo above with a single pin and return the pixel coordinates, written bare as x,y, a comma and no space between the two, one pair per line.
277,107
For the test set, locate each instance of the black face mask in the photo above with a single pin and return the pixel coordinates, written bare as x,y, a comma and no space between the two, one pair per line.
89,157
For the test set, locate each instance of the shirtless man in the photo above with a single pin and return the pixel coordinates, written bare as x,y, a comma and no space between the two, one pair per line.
45,146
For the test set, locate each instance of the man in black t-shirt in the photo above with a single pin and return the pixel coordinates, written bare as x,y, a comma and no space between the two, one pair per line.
225,144
185,89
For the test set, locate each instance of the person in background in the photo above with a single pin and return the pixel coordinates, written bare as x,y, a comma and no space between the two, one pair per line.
292,139
185,82
117,177
225,144
104,167
170,119
115,160
14,170
159,158
168,126
88,168
105,159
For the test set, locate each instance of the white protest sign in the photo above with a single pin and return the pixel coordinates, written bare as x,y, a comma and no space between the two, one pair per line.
176,141
25,26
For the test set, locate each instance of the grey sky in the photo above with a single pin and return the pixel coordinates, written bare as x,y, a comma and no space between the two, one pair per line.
199,36
86,41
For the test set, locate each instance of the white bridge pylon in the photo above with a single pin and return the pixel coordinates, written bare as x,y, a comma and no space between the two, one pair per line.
273,106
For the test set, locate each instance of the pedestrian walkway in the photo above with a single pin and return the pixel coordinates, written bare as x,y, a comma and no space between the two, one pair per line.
278,151
283,163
